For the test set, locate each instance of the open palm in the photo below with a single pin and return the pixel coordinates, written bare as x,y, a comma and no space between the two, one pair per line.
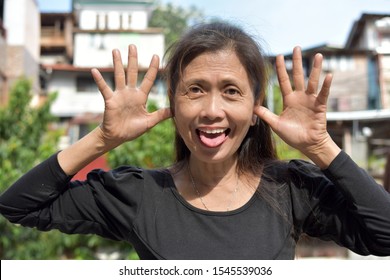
302,123
125,115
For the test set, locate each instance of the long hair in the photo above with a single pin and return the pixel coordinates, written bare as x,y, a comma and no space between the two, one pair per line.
257,146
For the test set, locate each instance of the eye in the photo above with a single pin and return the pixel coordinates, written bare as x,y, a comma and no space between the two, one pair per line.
232,91
194,90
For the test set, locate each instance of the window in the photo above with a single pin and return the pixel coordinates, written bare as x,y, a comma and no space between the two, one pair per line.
88,20
385,40
126,21
97,41
1,9
85,84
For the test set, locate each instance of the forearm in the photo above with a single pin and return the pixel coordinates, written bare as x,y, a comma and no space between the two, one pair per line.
368,203
84,151
36,188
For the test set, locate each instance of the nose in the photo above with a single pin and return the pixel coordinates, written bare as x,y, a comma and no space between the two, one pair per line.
213,107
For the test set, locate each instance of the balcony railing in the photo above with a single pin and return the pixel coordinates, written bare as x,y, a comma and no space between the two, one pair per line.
51,36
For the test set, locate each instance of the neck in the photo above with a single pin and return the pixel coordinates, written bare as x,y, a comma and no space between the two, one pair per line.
212,175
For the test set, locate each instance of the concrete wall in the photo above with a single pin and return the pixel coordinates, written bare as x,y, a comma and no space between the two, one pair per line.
95,50
69,102
22,22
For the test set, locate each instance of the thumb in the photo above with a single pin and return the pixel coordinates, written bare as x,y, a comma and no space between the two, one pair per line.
159,116
266,115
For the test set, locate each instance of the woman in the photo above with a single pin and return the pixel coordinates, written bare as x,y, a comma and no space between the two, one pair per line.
226,197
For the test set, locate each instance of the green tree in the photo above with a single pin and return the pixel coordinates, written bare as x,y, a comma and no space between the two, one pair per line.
284,151
24,141
174,20
24,136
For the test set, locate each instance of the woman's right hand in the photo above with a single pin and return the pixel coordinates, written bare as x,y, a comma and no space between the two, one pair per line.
125,115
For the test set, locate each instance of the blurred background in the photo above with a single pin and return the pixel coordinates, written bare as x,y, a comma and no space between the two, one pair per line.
48,99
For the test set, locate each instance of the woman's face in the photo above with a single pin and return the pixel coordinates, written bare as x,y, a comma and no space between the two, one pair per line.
214,106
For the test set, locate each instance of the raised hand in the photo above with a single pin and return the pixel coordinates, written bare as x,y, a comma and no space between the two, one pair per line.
125,115
302,123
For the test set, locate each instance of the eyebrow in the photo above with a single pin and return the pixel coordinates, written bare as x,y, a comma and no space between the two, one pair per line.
201,81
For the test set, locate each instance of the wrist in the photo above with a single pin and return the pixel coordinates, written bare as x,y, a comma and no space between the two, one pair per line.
84,151
103,143
323,154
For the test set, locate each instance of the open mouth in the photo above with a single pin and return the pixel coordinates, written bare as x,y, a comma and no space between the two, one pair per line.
212,138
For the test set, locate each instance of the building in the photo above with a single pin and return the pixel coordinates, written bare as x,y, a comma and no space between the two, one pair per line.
372,32
355,76
358,105
73,43
19,44
365,132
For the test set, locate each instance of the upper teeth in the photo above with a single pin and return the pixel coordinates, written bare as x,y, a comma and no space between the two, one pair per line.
212,131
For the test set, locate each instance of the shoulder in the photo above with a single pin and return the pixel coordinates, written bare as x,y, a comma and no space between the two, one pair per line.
120,174
303,179
129,175
285,171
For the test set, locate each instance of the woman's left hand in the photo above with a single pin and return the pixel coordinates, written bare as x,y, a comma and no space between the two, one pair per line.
302,123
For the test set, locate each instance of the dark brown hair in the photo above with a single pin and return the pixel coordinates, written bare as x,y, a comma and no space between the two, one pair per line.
257,146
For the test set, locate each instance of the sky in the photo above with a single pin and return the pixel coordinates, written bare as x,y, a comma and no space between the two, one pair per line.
278,24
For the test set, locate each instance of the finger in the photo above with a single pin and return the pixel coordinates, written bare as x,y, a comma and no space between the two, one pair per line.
132,67
150,76
119,73
159,116
298,77
312,85
101,84
325,90
283,78
267,116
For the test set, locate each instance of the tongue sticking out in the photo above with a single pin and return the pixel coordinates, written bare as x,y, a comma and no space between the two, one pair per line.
212,140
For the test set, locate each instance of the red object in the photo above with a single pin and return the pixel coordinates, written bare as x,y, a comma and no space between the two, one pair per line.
99,163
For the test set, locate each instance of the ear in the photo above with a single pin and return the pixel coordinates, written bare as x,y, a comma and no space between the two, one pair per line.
254,120
255,117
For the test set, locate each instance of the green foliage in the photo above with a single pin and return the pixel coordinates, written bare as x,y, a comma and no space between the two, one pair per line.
284,151
174,20
24,141
23,138
151,150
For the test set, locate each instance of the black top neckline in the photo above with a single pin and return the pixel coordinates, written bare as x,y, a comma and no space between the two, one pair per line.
170,184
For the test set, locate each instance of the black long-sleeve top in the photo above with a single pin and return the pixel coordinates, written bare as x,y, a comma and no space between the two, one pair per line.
143,207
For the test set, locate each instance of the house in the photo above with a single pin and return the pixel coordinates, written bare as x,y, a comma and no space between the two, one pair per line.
366,132
19,44
372,32
355,76
74,43
358,105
